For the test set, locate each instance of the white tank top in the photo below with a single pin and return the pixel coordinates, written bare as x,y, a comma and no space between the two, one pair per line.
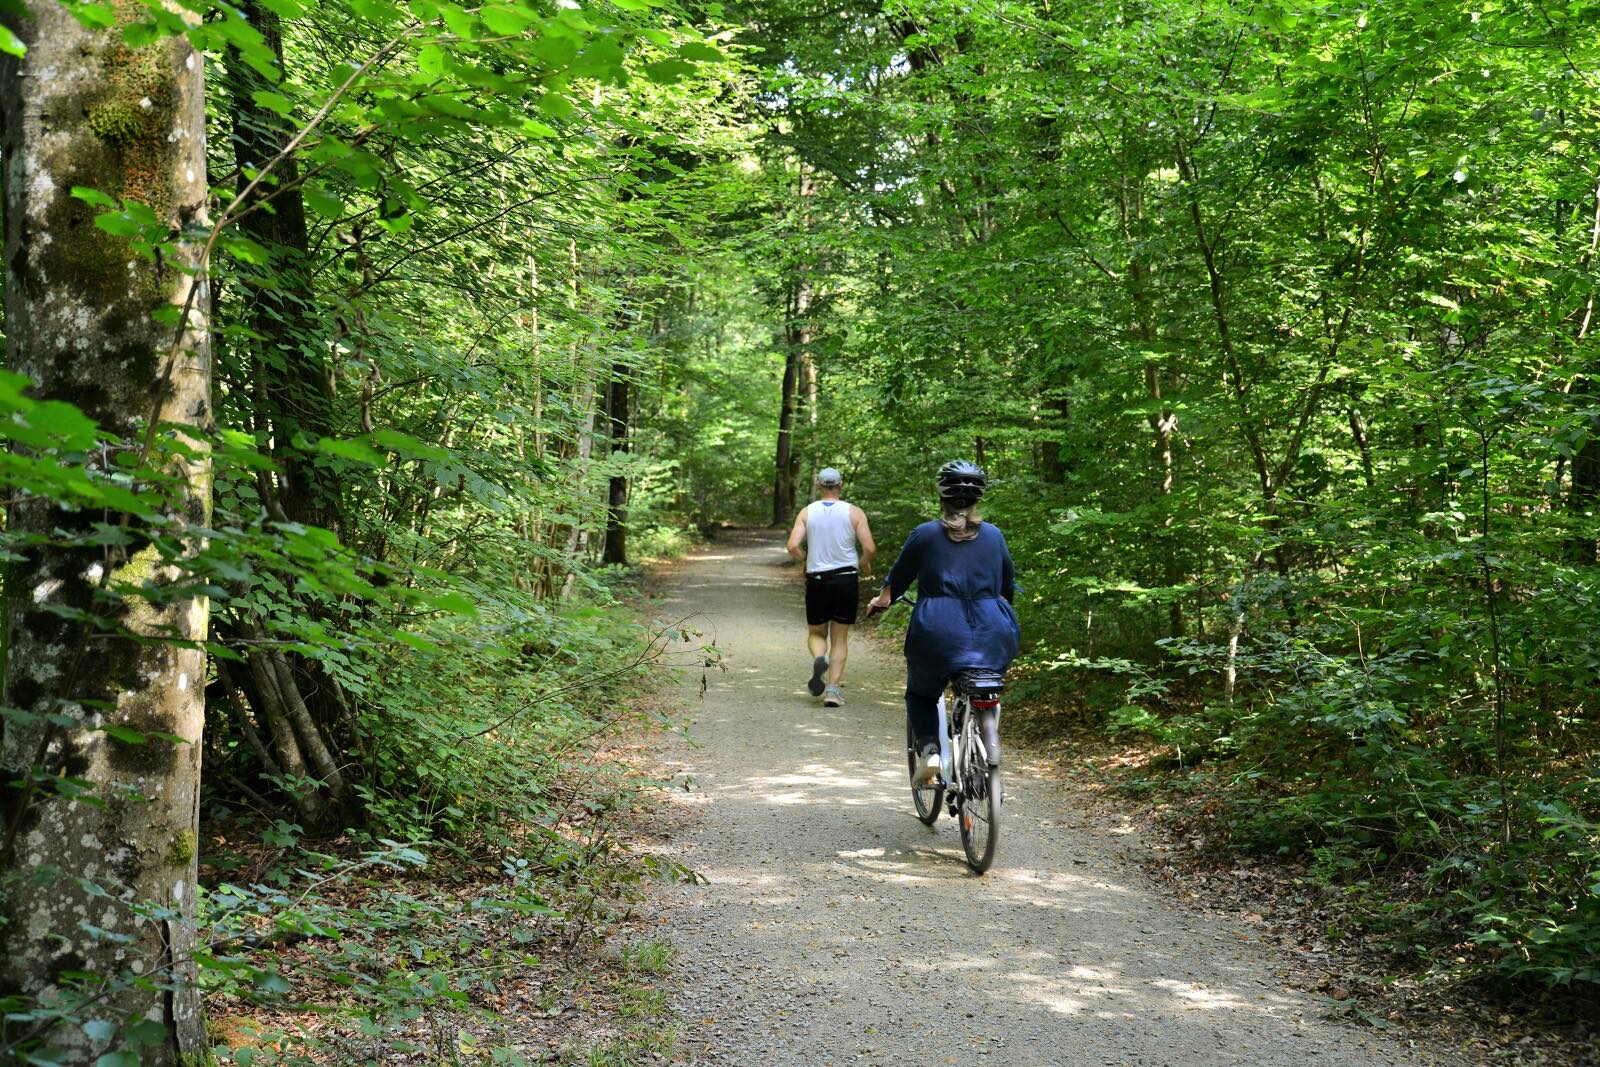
830,537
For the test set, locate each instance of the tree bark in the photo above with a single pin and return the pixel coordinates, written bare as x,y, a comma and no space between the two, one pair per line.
1584,487
291,375
616,546
83,109
783,464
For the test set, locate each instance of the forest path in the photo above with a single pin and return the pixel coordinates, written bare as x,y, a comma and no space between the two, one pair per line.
835,928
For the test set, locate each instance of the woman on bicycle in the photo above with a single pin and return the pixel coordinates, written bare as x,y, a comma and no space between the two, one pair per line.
963,618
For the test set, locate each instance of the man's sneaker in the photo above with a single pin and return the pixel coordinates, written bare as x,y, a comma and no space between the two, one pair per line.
819,667
928,767
832,698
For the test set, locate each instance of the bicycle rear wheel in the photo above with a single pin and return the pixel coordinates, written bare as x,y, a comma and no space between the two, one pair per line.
978,812
927,798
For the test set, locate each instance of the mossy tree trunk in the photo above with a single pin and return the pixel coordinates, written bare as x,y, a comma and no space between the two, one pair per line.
82,109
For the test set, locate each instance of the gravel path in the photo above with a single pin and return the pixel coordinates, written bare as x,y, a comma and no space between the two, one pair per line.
835,928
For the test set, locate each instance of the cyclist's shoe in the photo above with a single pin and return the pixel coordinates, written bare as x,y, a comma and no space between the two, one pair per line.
819,667
928,766
832,698
989,730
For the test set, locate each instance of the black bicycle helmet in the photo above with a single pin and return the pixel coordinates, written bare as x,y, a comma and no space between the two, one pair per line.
961,481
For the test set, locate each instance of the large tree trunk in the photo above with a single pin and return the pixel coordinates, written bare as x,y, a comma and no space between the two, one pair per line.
616,546
293,388
81,109
288,371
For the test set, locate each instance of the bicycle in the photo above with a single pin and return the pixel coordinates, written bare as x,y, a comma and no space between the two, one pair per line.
973,792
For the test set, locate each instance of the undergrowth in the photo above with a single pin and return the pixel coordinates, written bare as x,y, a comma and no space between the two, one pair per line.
466,917
1456,871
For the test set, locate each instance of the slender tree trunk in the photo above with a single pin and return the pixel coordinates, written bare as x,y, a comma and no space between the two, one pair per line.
616,546
528,525
578,534
783,478
1230,676
1358,434
1584,487
1163,417
82,109
798,372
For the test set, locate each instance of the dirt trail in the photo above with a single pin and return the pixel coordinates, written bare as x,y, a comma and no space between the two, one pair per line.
837,929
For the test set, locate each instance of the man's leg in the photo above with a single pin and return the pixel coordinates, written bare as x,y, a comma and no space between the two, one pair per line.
838,650
817,642
817,639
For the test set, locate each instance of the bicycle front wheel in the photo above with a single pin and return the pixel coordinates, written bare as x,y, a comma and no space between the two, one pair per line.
926,798
979,814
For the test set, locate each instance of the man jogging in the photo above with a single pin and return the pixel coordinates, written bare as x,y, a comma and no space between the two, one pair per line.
830,528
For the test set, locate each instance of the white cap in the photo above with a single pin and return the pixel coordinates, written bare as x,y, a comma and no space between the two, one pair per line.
829,477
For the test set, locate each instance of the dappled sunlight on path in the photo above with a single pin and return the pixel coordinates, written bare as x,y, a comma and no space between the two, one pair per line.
835,928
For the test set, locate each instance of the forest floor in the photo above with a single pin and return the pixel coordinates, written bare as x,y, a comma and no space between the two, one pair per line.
832,927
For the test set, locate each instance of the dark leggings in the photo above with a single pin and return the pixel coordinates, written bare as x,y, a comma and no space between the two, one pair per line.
923,691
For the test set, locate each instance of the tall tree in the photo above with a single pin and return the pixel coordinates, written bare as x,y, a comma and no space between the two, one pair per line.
617,400
111,701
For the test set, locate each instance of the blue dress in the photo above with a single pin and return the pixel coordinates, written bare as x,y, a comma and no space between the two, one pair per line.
963,618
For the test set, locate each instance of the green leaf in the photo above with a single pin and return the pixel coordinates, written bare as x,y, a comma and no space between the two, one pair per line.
358,451
431,59
380,11
409,446
121,1058
272,101
553,50
319,199
454,603
143,1033
126,734
246,250
94,16
556,105
118,224
505,19
95,198
667,71
698,51
10,43
271,982
99,1030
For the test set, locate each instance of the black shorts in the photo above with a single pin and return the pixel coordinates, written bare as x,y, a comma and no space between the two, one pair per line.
832,596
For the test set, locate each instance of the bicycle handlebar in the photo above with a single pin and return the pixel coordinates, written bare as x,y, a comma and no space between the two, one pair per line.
904,598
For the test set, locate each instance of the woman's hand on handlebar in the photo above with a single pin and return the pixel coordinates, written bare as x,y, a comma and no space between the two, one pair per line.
879,603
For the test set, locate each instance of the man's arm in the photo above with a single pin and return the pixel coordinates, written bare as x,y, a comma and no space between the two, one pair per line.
869,549
797,535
